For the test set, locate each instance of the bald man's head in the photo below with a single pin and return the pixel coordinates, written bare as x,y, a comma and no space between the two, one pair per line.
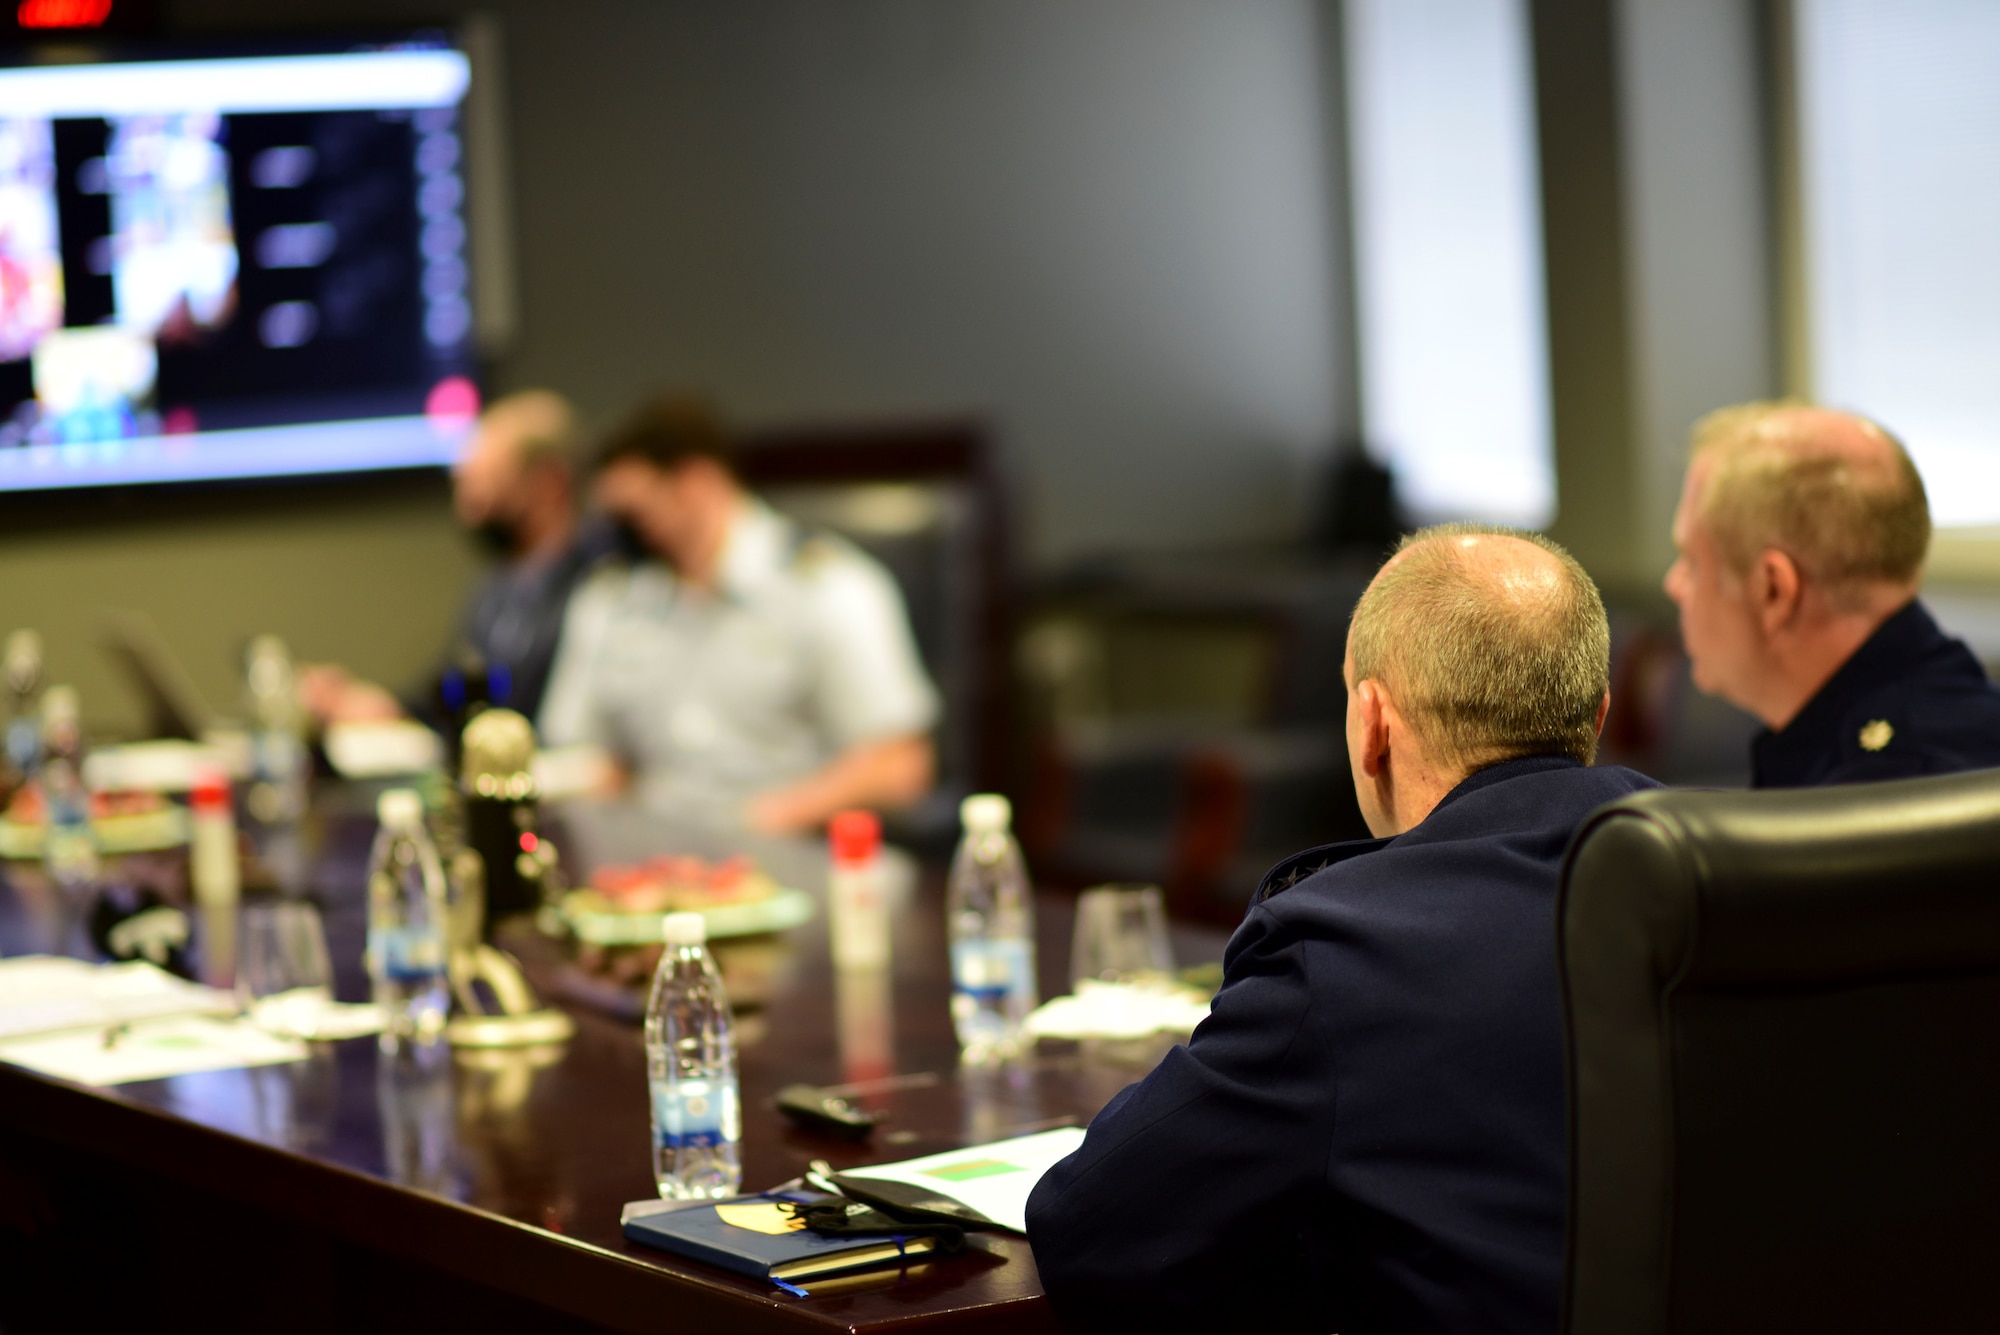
531,425
1835,492
526,443
1493,643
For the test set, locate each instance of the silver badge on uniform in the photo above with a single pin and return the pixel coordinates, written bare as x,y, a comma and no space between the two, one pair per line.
1875,734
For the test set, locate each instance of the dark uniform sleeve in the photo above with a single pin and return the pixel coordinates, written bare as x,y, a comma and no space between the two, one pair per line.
1183,1203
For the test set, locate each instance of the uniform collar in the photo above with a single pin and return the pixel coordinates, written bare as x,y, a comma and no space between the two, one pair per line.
1498,772
1792,754
1301,865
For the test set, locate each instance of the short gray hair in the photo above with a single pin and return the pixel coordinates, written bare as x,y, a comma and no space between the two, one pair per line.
1485,672
1849,521
541,424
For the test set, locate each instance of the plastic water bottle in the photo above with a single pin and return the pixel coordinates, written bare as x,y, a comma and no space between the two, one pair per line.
990,915
21,668
69,849
691,1065
419,1122
858,912
215,874
280,763
408,908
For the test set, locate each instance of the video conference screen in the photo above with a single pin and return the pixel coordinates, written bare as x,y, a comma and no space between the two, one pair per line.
233,267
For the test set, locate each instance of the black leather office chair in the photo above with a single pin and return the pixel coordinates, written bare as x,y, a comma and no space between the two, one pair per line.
1783,1016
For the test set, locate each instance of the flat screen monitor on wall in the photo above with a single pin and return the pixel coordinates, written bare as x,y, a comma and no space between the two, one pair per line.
233,266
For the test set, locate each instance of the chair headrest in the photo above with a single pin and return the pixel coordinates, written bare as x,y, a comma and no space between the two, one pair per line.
1794,887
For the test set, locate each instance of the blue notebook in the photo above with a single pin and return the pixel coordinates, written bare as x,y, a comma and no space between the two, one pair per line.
749,1235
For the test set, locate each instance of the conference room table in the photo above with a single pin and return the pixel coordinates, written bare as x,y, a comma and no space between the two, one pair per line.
340,1192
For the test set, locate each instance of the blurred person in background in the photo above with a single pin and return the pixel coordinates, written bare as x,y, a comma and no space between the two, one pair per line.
1802,535
743,670
515,491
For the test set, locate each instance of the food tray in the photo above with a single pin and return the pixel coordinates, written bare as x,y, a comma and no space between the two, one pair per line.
784,909
143,832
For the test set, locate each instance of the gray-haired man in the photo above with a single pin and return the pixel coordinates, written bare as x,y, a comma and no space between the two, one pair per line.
1366,1134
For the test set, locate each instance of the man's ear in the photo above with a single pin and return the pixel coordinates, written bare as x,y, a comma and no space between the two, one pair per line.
1603,711
1776,589
1372,709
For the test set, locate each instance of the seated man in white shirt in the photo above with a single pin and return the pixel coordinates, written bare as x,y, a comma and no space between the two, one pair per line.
744,670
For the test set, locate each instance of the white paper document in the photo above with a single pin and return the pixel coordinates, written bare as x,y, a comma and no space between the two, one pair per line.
42,994
149,1050
993,1179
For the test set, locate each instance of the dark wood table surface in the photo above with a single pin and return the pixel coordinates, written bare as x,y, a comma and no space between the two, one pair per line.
332,1194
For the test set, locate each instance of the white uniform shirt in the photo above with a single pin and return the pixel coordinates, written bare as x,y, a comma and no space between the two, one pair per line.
802,651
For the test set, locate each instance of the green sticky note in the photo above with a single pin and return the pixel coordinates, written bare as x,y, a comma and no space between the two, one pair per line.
971,1168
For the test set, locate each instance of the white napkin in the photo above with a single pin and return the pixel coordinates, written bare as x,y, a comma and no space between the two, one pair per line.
1119,1010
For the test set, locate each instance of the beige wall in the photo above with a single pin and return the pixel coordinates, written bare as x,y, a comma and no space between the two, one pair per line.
365,572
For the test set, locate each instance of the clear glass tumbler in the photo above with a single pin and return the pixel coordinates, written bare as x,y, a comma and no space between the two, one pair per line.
1121,936
282,974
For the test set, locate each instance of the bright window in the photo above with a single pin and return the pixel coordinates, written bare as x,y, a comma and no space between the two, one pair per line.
1899,172
1450,305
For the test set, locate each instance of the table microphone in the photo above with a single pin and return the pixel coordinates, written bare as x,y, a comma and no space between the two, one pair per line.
505,867
498,784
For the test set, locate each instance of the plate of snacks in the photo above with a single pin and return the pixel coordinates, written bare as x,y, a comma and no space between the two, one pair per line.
128,822
624,904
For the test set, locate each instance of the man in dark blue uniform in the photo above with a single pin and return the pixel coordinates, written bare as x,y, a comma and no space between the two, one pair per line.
515,492
1366,1134
1802,535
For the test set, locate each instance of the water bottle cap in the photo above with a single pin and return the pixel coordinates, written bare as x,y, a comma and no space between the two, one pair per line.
210,792
855,836
684,929
985,813
400,809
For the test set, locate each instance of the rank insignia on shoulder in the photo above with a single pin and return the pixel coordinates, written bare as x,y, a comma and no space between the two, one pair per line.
1876,734
812,555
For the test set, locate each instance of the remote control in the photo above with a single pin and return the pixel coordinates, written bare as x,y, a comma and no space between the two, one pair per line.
816,1110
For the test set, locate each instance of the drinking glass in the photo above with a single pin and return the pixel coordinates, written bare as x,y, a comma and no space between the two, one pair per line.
282,973
1121,936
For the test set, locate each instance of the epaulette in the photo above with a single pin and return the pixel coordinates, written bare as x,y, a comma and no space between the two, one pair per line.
812,552
1292,878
